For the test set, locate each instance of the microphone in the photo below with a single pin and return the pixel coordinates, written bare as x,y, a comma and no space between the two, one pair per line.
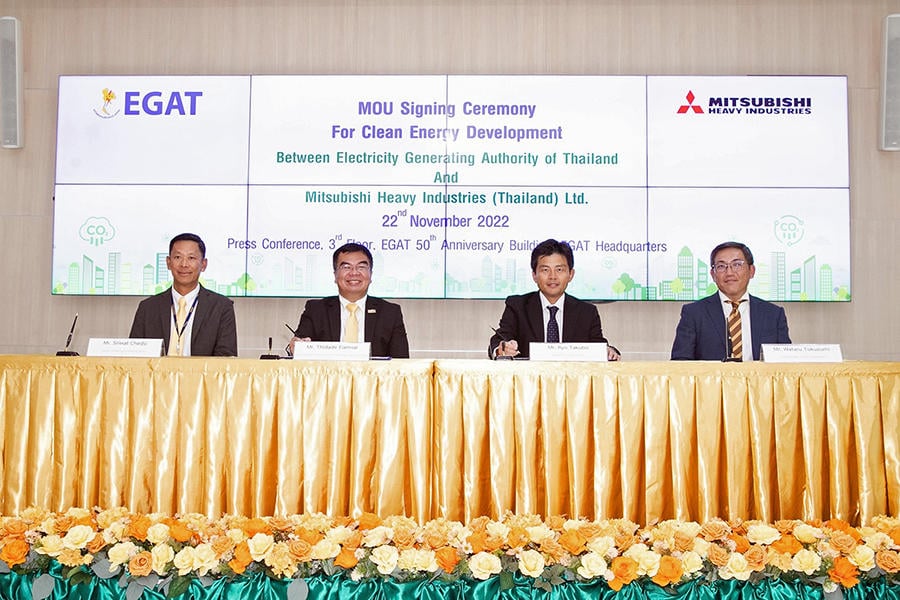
65,351
269,355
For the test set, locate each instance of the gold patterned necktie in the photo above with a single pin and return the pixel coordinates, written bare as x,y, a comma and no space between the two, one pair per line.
351,327
734,330
176,335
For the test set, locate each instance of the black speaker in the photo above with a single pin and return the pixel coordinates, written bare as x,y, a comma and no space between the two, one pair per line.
890,86
10,82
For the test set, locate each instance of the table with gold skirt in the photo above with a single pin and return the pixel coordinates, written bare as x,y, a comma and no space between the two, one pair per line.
453,438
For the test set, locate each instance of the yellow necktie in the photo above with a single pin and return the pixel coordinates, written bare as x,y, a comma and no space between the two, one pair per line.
175,339
351,327
734,330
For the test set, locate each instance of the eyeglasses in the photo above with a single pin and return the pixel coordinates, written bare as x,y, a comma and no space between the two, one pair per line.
348,268
736,266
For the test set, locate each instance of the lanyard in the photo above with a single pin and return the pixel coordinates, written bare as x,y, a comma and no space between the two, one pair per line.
180,332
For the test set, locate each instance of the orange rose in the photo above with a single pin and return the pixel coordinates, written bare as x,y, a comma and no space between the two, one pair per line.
347,559
551,549
895,535
779,560
63,524
670,571
222,545
137,527
572,541
301,550
446,558
179,531
888,561
738,526
241,558
342,522
714,531
624,541
369,521
353,540
740,543
683,541
718,555
253,526
518,537
590,530
784,526
787,544
492,543
87,520
842,542
756,557
309,536
14,528
841,525
14,551
844,572
478,541
624,570
140,564
404,538
556,522
96,544
280,524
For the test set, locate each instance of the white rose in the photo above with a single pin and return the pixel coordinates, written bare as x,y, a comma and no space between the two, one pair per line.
339,535
879,541
592,565
260,545
701,547
161,556
78,537
51,545
120,554
602,546
863,557
690,529
236,535
377,536
417,560
762,534
647,560
735,568
531,563
324,549
184,560
806,561
691,562
483,565
114,533
385,558
158,533
497,530
78,513
539,533
807,534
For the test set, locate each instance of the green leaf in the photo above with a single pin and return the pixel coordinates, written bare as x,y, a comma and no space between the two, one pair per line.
506,580
180,585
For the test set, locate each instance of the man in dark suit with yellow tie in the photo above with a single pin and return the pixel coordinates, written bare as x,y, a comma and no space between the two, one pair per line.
731,324
548,315
352,312
190,319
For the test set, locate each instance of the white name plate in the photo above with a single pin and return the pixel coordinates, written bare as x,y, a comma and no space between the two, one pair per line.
331,351
801,353
569,351
142,348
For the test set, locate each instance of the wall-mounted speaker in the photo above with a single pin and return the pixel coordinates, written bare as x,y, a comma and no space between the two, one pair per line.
10,82
890,86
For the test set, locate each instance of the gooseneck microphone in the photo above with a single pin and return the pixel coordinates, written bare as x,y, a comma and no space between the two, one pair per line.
65,351
269,355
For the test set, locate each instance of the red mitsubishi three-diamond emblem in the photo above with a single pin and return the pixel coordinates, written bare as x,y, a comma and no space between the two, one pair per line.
690,105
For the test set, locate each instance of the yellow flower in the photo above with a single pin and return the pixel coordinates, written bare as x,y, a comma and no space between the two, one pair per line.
592,565
377,536
78,537
497,530
807,534
162,555
736,568
806,561
484,565
762,534
324,549
50,545
184,560
385,558
701,547
236,535
539,533
647,560
259,545
158,533
204,559
281,561
339,534
878,541
863,557
120,554
691,562
531,563
603,545
412,559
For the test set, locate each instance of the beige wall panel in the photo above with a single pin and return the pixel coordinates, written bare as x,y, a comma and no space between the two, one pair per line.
841,37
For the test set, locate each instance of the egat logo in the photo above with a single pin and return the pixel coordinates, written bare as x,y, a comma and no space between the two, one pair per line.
153,103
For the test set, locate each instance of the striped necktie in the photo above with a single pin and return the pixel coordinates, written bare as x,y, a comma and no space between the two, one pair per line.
734,330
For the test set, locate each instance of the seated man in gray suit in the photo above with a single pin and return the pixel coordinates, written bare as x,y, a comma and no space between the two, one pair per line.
548,315
353,315
190,319
731,324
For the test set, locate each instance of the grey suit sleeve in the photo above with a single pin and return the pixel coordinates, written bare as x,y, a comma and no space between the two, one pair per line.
226,338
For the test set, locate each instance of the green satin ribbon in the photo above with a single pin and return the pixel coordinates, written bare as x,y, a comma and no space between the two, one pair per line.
257,586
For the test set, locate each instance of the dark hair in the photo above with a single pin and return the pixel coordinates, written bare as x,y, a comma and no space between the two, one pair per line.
189,237
347,248
748,256
548,247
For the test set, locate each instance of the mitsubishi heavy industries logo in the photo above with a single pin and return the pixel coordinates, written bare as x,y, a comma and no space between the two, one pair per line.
150,103
746,105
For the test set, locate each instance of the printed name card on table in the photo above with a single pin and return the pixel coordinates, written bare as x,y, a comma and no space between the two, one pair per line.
569,352
139,348
331,351
801,353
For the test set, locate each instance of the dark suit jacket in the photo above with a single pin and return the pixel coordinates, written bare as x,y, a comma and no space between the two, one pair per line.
701,331
213,333
523,321
321,322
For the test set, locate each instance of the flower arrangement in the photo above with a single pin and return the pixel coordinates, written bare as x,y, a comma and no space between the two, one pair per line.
167,553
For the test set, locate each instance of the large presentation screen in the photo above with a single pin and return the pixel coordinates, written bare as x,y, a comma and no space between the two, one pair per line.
452,180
